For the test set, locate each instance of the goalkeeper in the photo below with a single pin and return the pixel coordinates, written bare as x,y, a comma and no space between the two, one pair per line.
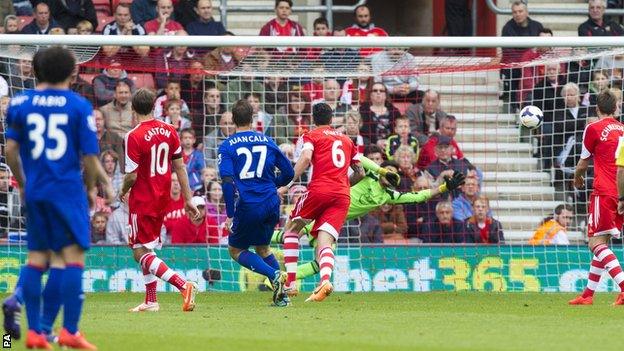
373,191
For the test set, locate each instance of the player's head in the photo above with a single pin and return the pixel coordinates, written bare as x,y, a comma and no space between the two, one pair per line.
54,65
242,113
143,102
391,166
606,103
322,114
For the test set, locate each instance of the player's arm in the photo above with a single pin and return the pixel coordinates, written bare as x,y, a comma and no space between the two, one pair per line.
93,174
619,162
450,184
180,169
15,163
369,165
579,173
586,154
128,181
358,173
226,171
287,172
302,163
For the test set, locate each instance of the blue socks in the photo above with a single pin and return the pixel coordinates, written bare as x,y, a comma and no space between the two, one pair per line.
72,296
31,292
272,261
52,299
256,264
18,292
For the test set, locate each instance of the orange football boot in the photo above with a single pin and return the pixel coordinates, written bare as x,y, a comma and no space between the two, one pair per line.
37,341
321,292
580,300
74,341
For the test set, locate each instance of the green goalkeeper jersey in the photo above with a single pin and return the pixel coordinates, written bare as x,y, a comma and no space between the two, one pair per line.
368,194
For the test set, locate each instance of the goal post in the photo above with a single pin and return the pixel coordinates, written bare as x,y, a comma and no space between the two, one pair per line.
371,83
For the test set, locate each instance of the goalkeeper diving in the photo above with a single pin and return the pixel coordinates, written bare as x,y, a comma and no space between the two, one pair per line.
371,192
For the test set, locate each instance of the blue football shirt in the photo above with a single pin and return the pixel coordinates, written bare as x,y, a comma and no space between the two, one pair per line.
54,129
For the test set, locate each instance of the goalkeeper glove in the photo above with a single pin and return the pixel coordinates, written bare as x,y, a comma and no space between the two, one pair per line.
458,179
393,178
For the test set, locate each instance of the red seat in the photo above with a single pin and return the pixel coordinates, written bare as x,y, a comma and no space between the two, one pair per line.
103,6
103,20
142,80
117,2
402,106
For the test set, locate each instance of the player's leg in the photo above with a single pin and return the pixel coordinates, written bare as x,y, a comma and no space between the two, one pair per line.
145,236
12,309
52,295
253,261
32,272
306,269
596,269
150,303
291,251
73,298
325,257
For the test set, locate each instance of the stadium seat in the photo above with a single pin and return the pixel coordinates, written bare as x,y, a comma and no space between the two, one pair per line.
23,21
103,20
88,77
103,6
402,106
142,80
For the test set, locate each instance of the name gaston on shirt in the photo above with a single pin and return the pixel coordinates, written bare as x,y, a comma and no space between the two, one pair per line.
156,131
248,139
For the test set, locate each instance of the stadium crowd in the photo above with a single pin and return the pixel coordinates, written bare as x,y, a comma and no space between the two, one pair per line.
391,118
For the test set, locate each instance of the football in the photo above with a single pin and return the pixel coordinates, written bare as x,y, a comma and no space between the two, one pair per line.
531,117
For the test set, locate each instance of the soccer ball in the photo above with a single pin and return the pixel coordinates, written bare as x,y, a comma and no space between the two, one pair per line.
531,117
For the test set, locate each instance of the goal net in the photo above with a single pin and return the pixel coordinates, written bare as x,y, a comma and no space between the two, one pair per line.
427,110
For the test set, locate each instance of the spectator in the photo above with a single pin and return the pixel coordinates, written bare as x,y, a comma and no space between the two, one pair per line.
396,69
599,83
117,224
22,7
320,29
163,24
401,136
172,91
143,11
11,24
596,25
209,174
123,24
173,115
275,93
314,89
553,230
353,123
547,96
406,158
444,159
110,163
213,108
68,13
213,140
104,85
118,113
519,26
193,158
192,89
262,121
281,25
184,11
425,117
58,31
532,73
374,153
463,203
392,221
378,114
98,228
484,228
202,230
445,229
363,27
420,214
10,212
238,88
84,27
174,64
205,24
223,59
448,127
331,96
108,140
175,210
215,207
292,120
21,77
41,23
355,91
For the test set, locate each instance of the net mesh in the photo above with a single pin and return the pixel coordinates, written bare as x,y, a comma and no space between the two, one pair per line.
524,173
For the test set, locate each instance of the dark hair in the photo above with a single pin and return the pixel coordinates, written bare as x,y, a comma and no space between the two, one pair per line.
173,82
122,5
289,2
242,113
320,20
172,102
322,114
122,82
188,130
546,31
391,164
606,102
562,207
372,149
256,95
143,101
53,65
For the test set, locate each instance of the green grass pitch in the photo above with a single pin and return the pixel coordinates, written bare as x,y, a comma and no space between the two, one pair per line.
365,321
